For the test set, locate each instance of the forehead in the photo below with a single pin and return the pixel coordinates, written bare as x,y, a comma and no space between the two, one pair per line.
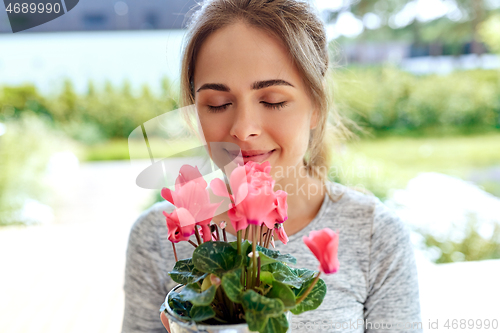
240,53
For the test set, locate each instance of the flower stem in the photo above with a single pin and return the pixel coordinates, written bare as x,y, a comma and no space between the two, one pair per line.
304,295
261,228
238,247
248,276
247,231
225,236
219,313
254,256
238,240
268,237
258,272
192,243
217,231
228,303
175,253
197,233
222,302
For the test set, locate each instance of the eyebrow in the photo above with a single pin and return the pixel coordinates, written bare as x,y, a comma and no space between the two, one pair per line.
255,86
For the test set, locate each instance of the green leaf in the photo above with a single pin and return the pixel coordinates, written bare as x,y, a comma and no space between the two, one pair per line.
276,325
246,246
200,313
264,259
283,273
231,282
259,308
216,257
256,320
313,300
184,272
266,277
276,255
283,292
192,293
178,305
303,273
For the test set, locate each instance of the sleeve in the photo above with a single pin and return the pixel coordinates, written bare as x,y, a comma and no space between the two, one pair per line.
146,278
393,303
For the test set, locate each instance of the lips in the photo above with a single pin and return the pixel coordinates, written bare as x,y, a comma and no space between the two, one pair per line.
252,155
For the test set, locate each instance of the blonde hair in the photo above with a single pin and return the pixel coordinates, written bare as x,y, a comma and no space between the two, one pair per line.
297,25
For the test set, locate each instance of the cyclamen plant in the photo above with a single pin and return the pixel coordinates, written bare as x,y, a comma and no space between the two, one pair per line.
242,281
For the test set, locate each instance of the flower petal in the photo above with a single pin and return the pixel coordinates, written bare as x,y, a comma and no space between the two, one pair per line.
188,173
309,241
219,187
238,183
324,246
167,195
282,234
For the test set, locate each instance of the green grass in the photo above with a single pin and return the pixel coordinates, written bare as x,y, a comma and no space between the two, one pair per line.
380,165
451,155
118,149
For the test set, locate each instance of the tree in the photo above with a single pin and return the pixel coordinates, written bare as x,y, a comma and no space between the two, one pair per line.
458,27
489,32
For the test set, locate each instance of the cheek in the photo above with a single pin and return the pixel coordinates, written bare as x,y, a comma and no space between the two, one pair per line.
293,128
214,127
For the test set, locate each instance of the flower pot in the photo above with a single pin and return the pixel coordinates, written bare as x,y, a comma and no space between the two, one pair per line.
179,325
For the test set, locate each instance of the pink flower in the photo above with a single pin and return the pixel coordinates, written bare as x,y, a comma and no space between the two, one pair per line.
180,224
281,234
238,220
204,231
324,245
191,193
279,214
253,194
252,167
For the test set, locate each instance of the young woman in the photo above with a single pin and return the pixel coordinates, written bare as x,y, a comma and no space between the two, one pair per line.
256,72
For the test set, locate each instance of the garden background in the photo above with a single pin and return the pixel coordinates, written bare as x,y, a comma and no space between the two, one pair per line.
421,91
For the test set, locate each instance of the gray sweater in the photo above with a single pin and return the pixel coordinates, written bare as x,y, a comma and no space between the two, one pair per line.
375,288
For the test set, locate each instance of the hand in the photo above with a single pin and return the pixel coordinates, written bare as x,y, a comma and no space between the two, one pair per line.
164,321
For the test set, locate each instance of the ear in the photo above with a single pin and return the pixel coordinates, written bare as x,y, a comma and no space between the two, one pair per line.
314,118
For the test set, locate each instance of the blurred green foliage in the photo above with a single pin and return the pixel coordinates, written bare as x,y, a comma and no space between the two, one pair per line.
398,20
388,101
25,149
98,115
384,100
381,164
489,31
119,149
472,247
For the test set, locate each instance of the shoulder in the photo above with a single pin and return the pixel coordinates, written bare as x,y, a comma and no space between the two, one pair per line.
352,201
365,218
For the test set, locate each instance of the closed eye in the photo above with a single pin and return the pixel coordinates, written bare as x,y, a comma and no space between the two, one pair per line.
220,108
274,105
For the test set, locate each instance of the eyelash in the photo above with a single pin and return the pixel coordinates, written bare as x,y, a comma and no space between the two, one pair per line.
220,108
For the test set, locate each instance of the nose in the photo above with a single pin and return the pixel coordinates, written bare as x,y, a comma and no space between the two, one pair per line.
246,124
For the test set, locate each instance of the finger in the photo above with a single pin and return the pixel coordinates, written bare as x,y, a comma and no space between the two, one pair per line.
164,321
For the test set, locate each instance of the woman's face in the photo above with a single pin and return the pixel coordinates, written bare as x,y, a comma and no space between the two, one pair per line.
249,93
